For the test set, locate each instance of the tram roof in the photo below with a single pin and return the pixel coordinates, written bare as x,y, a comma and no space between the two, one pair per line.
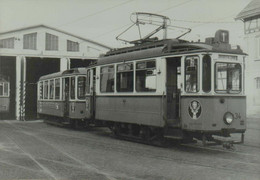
73,71
164,48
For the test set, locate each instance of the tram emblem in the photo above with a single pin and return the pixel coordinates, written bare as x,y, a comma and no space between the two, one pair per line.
194,109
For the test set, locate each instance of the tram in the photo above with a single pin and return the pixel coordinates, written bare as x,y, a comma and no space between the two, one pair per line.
4,94
157,89
62,95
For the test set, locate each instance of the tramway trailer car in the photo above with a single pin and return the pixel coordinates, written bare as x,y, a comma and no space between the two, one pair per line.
62,95
168,88
4,94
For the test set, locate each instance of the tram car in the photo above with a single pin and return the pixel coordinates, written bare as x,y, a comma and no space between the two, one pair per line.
62,95
4,94
157,89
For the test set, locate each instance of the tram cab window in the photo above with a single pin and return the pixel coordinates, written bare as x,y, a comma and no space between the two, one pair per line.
146,76
46,89
228,77
41,90
4,89
72,87
206,73
51,89
81,87
125,77
191,74
57,88
107,79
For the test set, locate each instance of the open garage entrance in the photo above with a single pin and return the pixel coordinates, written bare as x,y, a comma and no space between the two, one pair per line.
74,63
8,68
35,68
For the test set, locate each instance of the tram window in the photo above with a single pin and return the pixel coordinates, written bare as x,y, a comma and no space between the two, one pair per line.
1,89
57,88
81,87
41,90
125,78
146,76
46,89
107,79
88,82
191,74
228,77
51,89
206,73
72,88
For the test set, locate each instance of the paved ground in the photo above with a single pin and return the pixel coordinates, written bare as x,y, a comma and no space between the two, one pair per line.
35,150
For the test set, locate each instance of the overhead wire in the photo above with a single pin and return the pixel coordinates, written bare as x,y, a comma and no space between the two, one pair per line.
95,13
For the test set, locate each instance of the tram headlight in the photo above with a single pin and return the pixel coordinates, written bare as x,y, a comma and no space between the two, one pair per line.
228,118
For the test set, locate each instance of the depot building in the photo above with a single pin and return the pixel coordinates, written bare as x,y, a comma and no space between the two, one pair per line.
29,53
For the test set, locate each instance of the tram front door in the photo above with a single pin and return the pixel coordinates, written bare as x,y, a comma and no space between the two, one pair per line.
173,91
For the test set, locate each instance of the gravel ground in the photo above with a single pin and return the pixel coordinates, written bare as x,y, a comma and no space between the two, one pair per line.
35,150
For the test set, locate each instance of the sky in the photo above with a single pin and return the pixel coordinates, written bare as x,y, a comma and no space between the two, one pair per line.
103,20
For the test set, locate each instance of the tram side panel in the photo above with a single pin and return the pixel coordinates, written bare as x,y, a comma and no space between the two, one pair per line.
4,104
137,110
51,108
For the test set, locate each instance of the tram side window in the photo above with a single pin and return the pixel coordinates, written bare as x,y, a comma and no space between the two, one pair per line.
228,77
72,88
107,79
206,73
146,76
51,89
81,87
191,74
57,88
46,89
41,90
125,78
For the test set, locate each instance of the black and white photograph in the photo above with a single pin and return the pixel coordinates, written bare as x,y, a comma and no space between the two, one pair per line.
129,89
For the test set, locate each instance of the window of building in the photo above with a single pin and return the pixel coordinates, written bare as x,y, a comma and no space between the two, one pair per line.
107,74
206,73
257,82
41,90
30,41
51,42
81,87
72,46
228,77
146,76
46,90
125,77
57,88
252,25
7,43
72,88
191,74
51,89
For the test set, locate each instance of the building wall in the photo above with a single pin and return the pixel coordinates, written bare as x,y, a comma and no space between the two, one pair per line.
252,48
33,63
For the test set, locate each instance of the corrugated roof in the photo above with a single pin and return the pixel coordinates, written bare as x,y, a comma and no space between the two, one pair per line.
44,26
251,10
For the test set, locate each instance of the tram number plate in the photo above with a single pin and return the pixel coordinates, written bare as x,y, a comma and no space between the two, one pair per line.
237,116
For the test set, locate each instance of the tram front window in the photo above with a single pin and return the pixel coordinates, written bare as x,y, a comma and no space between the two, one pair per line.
228,78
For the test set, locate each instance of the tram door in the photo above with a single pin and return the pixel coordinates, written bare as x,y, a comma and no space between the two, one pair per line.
173,91
90,94
66,95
